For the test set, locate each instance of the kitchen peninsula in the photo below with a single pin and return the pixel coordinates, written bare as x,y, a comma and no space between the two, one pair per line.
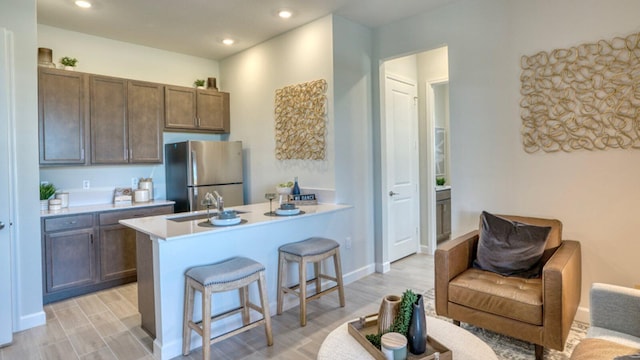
168,245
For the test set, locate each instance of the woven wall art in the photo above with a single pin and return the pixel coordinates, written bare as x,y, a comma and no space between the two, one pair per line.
584,97
300,120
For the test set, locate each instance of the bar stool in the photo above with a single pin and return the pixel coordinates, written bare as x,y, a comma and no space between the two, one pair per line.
235,273
313,250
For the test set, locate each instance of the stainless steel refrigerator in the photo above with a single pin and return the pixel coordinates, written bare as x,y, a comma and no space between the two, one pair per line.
194,168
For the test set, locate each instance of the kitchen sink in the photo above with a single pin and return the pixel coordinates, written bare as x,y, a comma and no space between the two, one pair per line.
198,216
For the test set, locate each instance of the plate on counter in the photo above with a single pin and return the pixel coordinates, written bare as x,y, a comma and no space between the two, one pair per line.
225,222
209,224
287,212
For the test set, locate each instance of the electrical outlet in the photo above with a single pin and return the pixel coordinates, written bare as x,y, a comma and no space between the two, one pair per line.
134,182
86,184
347,242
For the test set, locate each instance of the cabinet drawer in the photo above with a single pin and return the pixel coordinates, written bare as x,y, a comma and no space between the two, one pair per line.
443,195
68,222
112,217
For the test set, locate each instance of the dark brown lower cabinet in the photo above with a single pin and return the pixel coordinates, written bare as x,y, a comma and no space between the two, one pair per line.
70,259
90,252
117,252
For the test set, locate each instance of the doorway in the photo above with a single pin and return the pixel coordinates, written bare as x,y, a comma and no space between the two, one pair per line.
424,69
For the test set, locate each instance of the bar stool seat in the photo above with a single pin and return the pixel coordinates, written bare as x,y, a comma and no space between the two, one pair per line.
232,274
313,250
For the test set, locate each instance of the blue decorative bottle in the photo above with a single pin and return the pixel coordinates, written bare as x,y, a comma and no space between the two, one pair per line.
296,188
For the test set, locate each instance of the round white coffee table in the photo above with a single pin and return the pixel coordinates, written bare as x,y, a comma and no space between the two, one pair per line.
339,344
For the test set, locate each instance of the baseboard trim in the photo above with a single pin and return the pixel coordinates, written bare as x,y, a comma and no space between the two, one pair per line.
582,315
383,268
30,321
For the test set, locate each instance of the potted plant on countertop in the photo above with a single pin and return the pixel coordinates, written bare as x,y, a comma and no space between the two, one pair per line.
199,83
69,63
47,190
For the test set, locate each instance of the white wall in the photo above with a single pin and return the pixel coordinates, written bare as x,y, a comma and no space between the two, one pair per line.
252,77
103,56
405,66
19,16
338,51
352,49
433,65
594,193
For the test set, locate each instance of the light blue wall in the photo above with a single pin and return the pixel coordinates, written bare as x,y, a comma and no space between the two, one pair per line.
19,17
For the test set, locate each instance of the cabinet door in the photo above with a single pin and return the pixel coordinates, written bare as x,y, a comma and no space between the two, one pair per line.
180,107
213,111
108,120
145,117
62,122
69,259
117,252
446,217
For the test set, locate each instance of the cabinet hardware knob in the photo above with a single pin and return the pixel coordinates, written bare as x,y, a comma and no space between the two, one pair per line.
1,225
391,193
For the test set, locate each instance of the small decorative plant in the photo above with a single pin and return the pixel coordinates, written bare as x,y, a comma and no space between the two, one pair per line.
401,322
440,181
198,83
47,191
67,61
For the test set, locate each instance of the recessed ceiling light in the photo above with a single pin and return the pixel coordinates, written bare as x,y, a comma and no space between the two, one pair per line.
228,41
285,14
83,4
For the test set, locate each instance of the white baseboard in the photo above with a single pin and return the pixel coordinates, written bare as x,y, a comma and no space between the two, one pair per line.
383,268
582,315
30,321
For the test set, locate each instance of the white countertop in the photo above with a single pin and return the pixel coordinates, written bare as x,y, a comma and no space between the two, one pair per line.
74,210
162,227
443,187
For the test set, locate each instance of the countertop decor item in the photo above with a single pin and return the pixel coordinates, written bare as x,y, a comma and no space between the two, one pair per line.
211,84
46,191
394,346
440,181
401,321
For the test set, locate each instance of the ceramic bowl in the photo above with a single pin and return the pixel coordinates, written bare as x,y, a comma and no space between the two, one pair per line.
287,206
227,214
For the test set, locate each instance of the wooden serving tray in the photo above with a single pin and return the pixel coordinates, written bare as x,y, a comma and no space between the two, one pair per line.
369,325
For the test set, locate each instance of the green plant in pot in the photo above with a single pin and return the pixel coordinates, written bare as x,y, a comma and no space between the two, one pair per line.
440,181
69,62
46,192
198,83
401,322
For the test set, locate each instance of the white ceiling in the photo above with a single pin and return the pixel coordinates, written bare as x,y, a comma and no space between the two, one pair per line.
196,27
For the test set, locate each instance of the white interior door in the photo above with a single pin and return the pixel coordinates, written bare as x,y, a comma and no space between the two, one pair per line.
6,113
400,161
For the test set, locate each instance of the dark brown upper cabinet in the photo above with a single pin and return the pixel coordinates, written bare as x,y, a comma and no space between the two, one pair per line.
63,122
188,109
126,121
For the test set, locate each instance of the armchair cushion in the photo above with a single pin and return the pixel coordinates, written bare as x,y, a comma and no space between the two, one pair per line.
510,248
513,297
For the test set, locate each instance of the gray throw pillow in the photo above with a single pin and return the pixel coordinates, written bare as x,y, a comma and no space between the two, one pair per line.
510,248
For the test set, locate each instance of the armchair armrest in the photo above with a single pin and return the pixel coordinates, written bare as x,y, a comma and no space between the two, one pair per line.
561,287
615,308
451,259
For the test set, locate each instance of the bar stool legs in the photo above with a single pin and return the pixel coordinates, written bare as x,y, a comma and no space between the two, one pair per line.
236,273
313,250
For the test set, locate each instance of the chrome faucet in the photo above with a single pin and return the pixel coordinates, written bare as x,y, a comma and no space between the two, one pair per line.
219,201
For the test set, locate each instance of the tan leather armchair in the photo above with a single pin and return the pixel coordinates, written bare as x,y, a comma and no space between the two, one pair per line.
539,311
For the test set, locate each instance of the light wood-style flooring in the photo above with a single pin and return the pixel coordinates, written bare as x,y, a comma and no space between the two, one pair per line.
106,325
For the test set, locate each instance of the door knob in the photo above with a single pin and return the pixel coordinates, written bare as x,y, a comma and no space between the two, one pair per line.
1,225
391,193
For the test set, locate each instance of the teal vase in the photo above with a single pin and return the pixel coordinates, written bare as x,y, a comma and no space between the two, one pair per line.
417,334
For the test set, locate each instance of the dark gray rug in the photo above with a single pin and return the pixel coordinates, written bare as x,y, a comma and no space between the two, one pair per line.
508,348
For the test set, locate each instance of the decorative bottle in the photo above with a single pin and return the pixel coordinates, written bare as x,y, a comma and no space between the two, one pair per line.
417,335
296,188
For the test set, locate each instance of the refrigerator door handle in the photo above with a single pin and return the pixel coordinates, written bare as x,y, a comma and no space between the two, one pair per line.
194,168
